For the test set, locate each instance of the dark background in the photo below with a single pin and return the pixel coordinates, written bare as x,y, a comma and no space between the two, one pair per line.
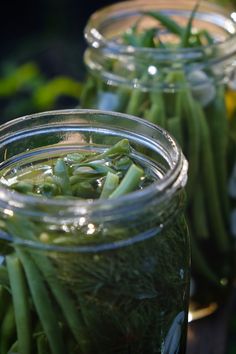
47,30
41,42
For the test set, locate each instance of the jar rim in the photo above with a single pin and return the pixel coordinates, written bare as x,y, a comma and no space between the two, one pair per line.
175,177
97,21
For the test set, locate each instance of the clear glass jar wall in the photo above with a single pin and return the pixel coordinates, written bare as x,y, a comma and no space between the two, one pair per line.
187,87
92,276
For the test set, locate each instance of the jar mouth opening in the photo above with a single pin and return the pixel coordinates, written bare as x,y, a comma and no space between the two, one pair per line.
111,19
174,179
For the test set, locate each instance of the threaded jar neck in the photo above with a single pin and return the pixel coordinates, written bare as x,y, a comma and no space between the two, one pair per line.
22,137
138,64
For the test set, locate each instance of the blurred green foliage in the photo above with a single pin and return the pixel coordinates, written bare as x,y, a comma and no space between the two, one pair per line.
25,89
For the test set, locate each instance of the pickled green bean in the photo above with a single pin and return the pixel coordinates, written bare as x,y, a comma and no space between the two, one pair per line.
42,344
42,303
166,21
201,265
111,183
129,183
190,123
20,303
187,30
33,276
210,187
62,177
4,300
4,278
156,113
199,214
71,314
219,129
7,329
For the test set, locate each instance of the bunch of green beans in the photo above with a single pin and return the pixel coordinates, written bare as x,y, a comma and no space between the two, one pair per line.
85,175
23,292
54,302
191,106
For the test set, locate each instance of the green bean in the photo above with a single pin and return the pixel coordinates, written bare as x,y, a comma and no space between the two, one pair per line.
231,153
83,178
96,167
111,183
7,329
39,291
85,172
2,305
20,303
84,190
199,214
130,39
175,128
190,123
129,183
75,158
32,265
156,113
70,312
23,187
166,21
42,344
120,148
185,37
61,172
210,186
48,189
130,36
136,98
4,300
218,128
123,94
200,264
42,303
76,179
4,278
122,164
14,348
205,34
146,39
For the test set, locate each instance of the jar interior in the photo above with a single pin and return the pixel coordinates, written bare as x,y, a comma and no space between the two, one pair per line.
27,144
86,132
110,23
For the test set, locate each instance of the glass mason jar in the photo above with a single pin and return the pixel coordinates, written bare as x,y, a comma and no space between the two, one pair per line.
93,276
188,91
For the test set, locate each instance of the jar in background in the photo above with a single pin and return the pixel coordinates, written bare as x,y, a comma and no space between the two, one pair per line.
189,91
93,276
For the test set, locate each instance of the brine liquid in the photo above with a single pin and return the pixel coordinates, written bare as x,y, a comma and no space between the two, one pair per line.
131,298
37,166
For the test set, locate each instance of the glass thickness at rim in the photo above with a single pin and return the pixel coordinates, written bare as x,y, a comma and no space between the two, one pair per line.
174,177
